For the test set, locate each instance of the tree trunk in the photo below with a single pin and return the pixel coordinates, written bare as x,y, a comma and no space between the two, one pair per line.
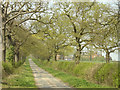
3,35
4,45
78,57
48,59
55,56
10,42
107,57
0,51
17,56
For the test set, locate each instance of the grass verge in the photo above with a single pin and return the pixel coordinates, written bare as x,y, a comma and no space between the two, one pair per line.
71,80
21,78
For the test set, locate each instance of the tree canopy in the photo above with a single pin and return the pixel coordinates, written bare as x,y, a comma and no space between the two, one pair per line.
45,31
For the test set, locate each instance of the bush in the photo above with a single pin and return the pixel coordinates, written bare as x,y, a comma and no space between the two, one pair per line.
10,54
19,63
70,67
108,74
8,68
82,68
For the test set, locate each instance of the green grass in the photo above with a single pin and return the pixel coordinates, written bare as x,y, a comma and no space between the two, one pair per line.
21,78
71,80
96,72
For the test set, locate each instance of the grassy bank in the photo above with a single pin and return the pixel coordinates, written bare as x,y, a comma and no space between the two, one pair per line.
9,68
22,77
68,78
